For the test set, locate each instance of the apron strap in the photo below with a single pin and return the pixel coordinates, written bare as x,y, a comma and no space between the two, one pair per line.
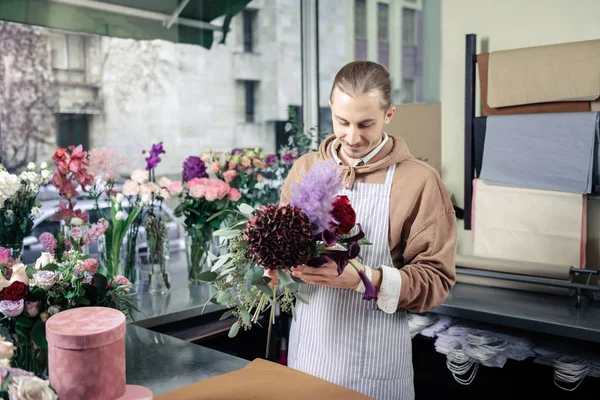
389,175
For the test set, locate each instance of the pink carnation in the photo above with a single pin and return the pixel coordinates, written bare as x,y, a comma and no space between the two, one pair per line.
49,242
215,167
174,187
120,280
75,233
90,265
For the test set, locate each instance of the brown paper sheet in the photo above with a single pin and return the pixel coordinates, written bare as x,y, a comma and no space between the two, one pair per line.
538,108
260,380
542,270
420,125
543,74
499,283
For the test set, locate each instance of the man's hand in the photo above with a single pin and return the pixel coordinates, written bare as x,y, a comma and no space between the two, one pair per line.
327,275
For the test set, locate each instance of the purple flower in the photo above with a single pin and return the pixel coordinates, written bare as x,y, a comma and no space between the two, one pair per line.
12,308
194,167
271,159
370,289
154,159
287,158
236,151
315,194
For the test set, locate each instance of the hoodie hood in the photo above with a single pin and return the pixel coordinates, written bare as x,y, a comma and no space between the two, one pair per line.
395,151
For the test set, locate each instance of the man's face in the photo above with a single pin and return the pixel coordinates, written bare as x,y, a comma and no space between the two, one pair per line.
358,122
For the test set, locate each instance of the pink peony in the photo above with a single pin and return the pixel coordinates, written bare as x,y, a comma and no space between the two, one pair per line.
230,175
234,195
175,188
131,188
49,242
197,191
212,193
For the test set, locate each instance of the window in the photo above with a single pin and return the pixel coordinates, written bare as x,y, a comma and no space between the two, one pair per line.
409,27
408,90
46,225
249,89
68,56
249,19
73,130
383,34
360,30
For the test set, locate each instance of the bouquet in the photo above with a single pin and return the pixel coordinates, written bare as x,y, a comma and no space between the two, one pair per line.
29,295
18,204
315,227
18,384
200,198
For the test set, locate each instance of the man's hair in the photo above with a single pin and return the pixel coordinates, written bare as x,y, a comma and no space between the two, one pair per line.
359,78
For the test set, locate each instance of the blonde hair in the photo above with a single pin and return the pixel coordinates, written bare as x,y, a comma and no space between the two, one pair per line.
363,77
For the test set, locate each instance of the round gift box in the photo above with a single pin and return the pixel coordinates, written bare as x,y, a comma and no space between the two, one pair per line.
86,353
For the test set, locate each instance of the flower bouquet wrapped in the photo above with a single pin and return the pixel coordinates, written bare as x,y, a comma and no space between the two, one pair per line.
315,227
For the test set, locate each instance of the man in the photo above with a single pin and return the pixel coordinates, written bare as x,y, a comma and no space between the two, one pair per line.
407,214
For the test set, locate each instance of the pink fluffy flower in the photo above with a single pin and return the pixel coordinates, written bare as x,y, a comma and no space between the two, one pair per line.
75,233
175,188
90,265
120,280
215,167
49,242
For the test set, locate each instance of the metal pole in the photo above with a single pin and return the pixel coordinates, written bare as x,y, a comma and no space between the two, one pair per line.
310,65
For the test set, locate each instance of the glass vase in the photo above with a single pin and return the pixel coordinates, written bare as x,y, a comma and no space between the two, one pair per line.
198,246
159,280
112,263
131,268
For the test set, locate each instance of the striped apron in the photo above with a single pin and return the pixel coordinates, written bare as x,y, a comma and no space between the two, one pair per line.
346,340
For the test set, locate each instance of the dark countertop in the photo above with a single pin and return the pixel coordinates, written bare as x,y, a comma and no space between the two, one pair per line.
184,301
162,363
537,312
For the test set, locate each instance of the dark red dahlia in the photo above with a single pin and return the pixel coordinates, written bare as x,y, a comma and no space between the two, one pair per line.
343,214
280,237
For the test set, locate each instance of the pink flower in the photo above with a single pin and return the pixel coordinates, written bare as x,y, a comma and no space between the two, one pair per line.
212,193
75,233
120,280
215,167
205,157
106,163
49,242
259,164
32,308
12,308
4,255
230,175
90,265
95,231
175,188
245,161
234,195
197,191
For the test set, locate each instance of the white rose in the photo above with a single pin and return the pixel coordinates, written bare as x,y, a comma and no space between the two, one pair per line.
5,363
44,165
77,221
46,174
36,212
30,388
43,260
119,198
45,279
31,166
19,274
119,216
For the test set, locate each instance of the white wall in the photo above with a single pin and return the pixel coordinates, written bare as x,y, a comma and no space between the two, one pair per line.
507,24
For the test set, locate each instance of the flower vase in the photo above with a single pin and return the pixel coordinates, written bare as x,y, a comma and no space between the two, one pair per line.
198,260
159,280
131,268
112,264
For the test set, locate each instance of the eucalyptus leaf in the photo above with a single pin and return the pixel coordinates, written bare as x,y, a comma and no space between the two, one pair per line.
220,262
301,297
246,209
254,273
226,315
223,297
215,215
284,278
211,255
245,316
207,276
227,232
265,289
233,331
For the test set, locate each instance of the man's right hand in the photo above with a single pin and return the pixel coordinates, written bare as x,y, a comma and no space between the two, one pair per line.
274,277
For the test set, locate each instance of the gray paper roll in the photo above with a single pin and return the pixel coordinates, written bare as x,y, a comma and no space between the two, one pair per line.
542,270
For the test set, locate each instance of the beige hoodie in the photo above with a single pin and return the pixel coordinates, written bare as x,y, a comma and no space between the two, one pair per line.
422,235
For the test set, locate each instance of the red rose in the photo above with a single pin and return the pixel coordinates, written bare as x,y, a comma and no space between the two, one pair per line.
16,291
343,214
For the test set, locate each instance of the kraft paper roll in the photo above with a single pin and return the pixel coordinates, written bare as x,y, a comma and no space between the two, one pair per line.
499,283
537,108
543,74
542,270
